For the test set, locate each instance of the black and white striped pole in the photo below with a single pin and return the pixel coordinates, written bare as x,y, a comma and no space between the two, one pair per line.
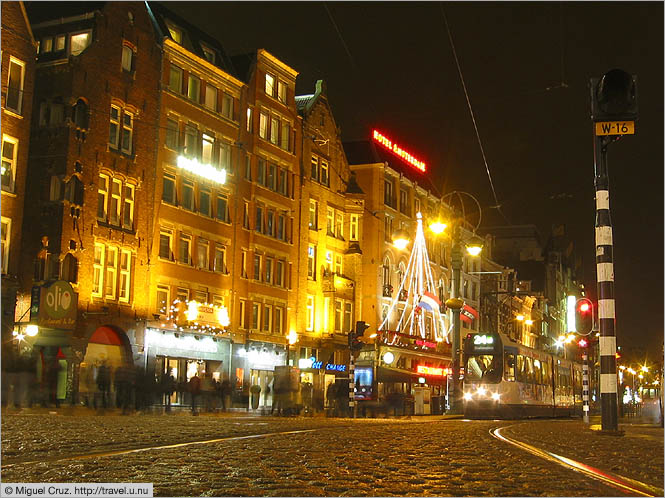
352,386
613,111
585,384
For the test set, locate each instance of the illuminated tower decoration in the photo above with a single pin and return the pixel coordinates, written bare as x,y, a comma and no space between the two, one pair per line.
421,303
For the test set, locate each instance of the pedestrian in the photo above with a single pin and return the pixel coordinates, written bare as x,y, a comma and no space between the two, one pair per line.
225,389
104,383
331,397
122,388
195,391
207,391
167,386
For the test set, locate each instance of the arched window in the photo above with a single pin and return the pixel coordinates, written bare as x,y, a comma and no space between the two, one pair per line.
386,272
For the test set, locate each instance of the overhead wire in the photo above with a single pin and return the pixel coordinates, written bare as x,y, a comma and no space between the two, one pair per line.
473,117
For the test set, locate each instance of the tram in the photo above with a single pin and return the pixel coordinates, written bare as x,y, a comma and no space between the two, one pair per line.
504,379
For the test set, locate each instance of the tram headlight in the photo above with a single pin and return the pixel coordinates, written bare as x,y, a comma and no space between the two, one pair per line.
468,396
482,391
496,396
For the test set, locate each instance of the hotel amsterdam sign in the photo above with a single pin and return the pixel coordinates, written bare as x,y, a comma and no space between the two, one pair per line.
54,305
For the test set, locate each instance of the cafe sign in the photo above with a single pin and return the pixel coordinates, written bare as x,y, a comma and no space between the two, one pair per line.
54,306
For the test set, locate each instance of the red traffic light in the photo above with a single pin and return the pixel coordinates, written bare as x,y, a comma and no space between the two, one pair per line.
582,343
584,307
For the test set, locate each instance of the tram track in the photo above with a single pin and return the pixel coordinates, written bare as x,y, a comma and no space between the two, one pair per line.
622,483
128,451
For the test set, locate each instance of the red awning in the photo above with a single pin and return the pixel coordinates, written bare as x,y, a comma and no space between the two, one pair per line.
106,335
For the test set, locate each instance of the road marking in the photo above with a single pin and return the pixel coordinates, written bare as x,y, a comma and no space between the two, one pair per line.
149,448
617,481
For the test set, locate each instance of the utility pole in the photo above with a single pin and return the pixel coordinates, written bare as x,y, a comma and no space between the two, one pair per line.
613,111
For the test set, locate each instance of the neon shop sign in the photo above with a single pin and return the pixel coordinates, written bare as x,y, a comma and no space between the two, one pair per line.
398,151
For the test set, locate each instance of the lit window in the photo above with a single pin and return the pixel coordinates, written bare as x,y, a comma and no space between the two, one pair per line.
338,315
46,45
222,208
285,136
257,267
339,223
125,275
330,221
16,75
315,168
175,79
79,42
220,258
263,125
269,270
310,313
209,54
98,270
202,254
353,227
111,276
9,158
176,33
278,319
4,241
102,197
241,312
185,249
256,316
281,91
274,130
60,42
279,273
127,132
207,148
194,88
338,264
267,317
329,261
225,155
127,58
128,208
163,301
270,84
249,119
115,201
311,262
325,179
313,214
348,316
227,106
114,135
211,97
166,244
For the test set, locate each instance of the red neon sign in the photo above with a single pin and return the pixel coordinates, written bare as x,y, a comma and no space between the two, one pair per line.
422,369
398,151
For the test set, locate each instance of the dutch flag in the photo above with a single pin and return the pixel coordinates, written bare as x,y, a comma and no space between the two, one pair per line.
429,302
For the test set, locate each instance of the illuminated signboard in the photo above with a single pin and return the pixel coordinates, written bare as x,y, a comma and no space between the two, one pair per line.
317,365
422,369
398,151
205,170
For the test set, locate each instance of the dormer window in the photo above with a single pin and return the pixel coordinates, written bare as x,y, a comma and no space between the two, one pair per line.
78,42
208,53
176,33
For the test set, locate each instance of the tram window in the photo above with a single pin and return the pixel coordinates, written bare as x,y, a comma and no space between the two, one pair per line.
521,377
483,367
529,370
537,374
547,378
509,368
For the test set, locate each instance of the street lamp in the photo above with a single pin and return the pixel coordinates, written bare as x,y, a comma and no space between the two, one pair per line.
292,338
474,246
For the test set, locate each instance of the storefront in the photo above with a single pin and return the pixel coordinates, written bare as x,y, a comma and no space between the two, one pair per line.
253,372
317,377
185,354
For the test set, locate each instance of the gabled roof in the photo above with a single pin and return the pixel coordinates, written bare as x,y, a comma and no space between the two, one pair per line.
193,37
304,102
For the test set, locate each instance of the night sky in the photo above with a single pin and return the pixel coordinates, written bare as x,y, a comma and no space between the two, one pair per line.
526,67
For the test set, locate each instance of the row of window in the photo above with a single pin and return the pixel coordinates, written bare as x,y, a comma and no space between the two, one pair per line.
265,317
71,43
205,94
319,171
121,130
115,202
195,197
199,257
267,221
334,221
276,129
275,88
112,277
271,176
342,315
194,144
333,262
183,294
266,269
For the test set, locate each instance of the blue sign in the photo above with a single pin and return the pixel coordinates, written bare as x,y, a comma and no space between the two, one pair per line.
335,367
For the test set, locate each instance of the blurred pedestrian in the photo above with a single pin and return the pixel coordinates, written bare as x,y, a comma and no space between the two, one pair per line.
208,391
167,387
123,388
103,383
53,369
195,391
225,390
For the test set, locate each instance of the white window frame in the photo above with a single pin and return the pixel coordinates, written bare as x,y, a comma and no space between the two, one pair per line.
88,36
278,320
127,131
255,324
242,310
5,242
11,162
211,97
270,85
220,249
311,262
353,227
274,130
227,105
114,138
263,125
339,224
207,148
338,264
192,78
185,237
98,270
169,234
339,315
111,271
281,91
115,202
19,102
313,214
165,289
127,58
125,276
266,326
324,173
200,243
103,193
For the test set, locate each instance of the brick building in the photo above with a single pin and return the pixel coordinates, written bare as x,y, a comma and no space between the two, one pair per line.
88,226
19,50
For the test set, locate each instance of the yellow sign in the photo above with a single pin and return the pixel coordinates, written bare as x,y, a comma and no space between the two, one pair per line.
615,128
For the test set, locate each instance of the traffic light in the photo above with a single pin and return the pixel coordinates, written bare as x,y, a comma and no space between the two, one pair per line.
584,316
614,96
355,344
582,343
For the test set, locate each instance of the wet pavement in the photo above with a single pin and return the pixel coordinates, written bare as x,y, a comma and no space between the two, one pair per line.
420,456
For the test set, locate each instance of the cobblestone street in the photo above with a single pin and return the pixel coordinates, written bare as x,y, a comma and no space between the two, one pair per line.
337,457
